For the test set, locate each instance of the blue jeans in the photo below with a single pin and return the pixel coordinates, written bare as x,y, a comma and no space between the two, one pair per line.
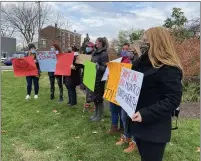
116,115
124,118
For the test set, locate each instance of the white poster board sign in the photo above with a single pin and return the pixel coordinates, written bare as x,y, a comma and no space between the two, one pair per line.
129,90
105,75
47,61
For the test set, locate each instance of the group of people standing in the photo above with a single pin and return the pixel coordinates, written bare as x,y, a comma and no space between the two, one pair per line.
149,130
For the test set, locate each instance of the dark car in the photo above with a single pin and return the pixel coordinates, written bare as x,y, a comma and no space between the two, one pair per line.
8,61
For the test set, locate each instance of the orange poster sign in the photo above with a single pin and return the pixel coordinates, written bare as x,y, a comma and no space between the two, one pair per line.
113,80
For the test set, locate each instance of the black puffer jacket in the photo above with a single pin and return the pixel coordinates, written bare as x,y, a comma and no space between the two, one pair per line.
100,57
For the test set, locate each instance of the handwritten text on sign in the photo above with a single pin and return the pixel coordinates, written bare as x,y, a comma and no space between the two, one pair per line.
47,61
113,80
129,90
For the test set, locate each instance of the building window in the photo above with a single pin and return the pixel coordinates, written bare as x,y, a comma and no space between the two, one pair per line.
43,44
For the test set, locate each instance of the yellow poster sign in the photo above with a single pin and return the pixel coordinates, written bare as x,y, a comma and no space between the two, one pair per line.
113,80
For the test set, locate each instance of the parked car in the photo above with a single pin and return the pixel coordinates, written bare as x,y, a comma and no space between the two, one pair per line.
2,59
8,61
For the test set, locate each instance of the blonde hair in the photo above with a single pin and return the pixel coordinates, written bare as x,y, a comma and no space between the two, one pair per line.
162,51
135,46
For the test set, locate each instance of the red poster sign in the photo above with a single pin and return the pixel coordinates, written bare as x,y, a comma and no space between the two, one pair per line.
24,67
64,61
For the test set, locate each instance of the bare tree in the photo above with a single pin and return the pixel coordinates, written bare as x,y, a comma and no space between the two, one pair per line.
61,20
24,18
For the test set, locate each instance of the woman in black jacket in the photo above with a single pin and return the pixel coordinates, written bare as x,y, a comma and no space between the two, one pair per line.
72,81
160,95
100,57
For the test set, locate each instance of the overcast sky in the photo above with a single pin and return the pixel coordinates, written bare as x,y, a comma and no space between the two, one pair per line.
107,18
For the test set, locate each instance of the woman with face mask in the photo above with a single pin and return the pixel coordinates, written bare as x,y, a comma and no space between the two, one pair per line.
34,79
160,94
72,81
100,57
52,77
89,50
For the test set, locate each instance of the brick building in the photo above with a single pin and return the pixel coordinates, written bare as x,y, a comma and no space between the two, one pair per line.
64,38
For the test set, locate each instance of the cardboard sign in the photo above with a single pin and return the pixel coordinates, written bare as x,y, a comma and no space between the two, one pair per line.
47,61
105,75
82,58
89,75
24,67
64,62
129,90
113,80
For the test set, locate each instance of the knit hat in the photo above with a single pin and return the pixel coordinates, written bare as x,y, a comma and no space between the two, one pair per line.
31,45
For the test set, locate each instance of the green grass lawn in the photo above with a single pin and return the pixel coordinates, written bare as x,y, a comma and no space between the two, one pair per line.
32,132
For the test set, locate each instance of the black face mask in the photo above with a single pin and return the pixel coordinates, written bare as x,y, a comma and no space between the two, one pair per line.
145,48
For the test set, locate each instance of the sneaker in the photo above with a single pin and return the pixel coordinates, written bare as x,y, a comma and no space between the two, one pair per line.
132,147
36,97
27,97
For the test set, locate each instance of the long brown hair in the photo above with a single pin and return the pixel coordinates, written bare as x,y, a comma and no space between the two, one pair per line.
57,47
162,51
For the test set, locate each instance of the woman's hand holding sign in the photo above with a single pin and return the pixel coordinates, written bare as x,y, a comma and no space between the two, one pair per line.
137,117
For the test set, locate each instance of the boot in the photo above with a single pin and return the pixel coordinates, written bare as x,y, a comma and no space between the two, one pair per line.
99,116
113,130
123,140
95,113
121,130
132,147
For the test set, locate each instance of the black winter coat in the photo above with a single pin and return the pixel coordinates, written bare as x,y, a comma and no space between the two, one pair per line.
100,57
160,95
74,79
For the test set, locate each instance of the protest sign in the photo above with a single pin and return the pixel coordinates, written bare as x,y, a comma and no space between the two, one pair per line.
64,61
24,67
81,58
113,80
129,90
105,75
89,75
47,61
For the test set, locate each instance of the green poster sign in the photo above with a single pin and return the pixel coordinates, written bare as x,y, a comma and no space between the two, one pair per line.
89,75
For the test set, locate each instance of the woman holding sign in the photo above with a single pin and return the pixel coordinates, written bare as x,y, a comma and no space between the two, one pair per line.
72,81
52,77
160,95
100,57
34,79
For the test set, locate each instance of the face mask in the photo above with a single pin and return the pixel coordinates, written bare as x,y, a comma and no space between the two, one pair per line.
33,51
145,48
52,49
88,49
124,53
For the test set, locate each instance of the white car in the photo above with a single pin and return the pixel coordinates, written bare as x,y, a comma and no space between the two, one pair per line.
2,59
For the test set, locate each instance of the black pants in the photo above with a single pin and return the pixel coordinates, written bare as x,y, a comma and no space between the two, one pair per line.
150,151
52,85
35,80
72,95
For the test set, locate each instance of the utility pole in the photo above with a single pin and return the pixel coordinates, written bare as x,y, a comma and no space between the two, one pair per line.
39,24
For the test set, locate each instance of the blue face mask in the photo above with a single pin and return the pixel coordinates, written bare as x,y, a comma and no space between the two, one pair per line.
33,51
88,49
52,49
124,53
